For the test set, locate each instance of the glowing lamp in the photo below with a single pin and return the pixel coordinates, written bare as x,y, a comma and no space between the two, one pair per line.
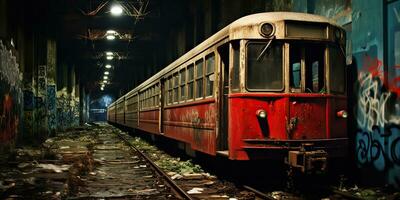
116,10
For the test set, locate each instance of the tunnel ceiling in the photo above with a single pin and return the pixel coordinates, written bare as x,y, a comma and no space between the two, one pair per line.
80,27
83,38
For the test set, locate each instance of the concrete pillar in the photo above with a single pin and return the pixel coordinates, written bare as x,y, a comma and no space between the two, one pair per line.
40,78
28,89
51,85
62,96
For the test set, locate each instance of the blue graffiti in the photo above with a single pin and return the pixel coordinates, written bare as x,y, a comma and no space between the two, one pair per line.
51,107
380,150
29,101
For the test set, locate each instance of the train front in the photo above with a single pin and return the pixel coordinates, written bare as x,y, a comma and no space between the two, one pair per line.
290,100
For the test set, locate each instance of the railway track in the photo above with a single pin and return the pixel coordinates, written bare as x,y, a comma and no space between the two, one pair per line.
123,172
176,189
201,187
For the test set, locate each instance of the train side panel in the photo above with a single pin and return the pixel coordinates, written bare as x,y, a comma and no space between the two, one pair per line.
149,120
194,124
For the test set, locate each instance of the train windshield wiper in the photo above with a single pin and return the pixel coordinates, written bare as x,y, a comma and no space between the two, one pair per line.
264,50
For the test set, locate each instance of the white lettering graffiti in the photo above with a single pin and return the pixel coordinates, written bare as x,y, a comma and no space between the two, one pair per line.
371,103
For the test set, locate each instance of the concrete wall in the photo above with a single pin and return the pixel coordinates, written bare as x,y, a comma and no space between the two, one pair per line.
30,96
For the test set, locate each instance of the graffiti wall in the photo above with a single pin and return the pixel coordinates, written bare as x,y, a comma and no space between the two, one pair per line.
62,109
10,96
52,108
377,89
68,109
378,137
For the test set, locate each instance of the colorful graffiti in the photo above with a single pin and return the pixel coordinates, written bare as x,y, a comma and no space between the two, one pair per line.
10,96
62,110
9,120
52,107
378,135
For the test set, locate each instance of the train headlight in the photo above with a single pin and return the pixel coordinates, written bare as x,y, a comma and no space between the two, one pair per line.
342,114
267,29
261,113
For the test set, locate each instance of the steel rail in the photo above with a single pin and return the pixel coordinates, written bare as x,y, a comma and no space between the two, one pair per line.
178,190
258,193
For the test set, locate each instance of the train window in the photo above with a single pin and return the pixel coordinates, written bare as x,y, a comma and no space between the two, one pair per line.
176,88
312,56
190,71
182,74
264,66
151,97
295,67
315,68
156,95
199,78
337,70
170,90
210,77
235,85
146,96
141,100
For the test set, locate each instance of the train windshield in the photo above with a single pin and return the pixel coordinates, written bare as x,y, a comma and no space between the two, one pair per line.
337,70
312,57
264,66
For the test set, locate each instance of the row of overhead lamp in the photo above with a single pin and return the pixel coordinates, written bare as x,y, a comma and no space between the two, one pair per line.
116,10
105,77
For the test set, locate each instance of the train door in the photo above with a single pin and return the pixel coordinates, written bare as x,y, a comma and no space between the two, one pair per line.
222,137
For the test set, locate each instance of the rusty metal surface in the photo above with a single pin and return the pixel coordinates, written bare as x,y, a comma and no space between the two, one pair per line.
291,119
194,124
149,121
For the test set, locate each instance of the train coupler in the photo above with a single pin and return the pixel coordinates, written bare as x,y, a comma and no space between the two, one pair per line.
308,161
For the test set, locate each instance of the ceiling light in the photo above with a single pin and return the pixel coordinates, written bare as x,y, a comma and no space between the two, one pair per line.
101,89
106,73
109,53
110,37
108,66
116,10
105,81
110,57
105,77
111,32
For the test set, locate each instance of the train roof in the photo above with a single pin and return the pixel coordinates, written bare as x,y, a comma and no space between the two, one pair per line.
229,31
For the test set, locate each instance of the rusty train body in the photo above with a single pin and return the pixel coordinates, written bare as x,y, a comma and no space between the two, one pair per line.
269,85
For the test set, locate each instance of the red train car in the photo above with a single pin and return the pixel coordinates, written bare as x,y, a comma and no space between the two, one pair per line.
269,85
